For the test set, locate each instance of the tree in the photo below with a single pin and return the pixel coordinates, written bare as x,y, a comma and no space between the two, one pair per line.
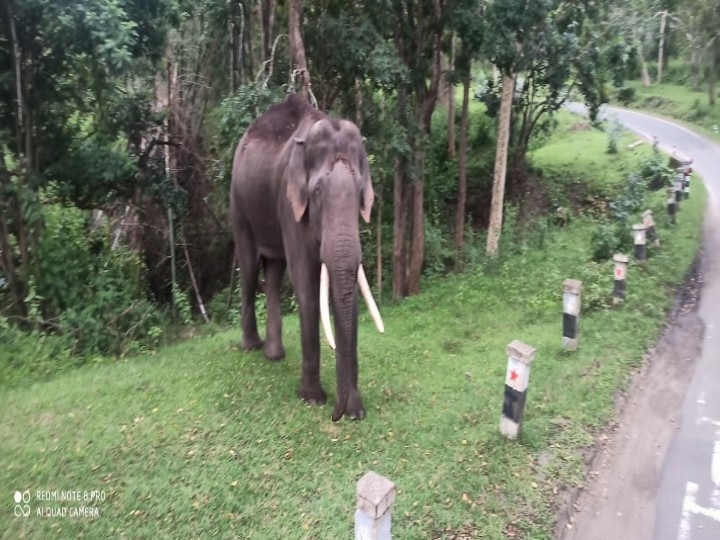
76,109
297,49
418,28
498,193
512,24
552,48
467,21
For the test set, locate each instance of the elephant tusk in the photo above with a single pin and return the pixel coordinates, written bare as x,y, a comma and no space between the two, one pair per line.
325,305
369,300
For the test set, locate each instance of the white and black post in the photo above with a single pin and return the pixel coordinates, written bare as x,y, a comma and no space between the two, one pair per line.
671,205
520,356
571,313
620,288
686,183
679,182
650,232
639,240
375,497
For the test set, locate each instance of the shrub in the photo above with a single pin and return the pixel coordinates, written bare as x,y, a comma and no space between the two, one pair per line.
92,295
614,132
613,236
626,95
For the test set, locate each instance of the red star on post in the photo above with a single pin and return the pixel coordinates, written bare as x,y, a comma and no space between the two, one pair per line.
513,375
618,273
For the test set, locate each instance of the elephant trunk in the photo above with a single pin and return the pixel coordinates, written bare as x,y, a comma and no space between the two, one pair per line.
342,264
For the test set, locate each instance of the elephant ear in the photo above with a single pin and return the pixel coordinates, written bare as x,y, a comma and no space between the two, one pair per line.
297,191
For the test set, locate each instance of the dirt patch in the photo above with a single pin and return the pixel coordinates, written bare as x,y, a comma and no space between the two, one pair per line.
624,467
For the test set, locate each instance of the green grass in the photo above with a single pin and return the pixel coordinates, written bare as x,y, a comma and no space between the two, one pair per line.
680,103
575,162
202,440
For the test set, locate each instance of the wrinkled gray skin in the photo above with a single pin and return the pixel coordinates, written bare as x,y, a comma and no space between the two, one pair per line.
299,181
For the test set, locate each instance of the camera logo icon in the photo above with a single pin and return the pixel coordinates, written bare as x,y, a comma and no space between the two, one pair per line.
22,506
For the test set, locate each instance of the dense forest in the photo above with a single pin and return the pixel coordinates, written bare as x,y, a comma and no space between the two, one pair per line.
119,119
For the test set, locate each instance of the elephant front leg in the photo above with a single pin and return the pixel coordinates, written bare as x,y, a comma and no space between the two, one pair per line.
309,309
274,270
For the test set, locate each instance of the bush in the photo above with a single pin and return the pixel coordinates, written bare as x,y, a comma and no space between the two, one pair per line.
625,95
614,132
615,235
92,295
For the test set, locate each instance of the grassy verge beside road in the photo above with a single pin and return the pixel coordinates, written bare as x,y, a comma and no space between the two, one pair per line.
201,440
680,103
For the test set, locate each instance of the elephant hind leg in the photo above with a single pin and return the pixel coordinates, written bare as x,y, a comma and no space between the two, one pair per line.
274,270
249,260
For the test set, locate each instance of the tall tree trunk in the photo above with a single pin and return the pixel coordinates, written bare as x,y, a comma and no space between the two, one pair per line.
695,69
358,104
417,243
246,38
644,74
462,176
427,99
713,61
451,103
661,46
267,8
16,60
400,215
234,35
297,49
498,193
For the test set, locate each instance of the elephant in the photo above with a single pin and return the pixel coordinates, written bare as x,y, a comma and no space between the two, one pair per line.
300,178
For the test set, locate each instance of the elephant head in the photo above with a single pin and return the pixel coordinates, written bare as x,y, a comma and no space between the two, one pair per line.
328,185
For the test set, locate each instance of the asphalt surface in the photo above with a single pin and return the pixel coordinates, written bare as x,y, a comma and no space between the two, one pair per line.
666,483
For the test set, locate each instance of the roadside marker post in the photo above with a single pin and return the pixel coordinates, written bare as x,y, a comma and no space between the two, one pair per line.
620,288
671,205
571,314
679,182
520,356
639,238
686,185
375,498
650,232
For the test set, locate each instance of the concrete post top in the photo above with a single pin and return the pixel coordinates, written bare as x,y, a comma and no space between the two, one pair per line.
639,227
375,494
572,286
520,351
621,258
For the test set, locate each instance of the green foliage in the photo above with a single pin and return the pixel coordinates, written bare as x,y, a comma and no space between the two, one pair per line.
625,95
616,236
655,172
182,304
83,290
614,131
232,117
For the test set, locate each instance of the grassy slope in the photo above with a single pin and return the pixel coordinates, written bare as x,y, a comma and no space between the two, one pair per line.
575,159
680,103
203,440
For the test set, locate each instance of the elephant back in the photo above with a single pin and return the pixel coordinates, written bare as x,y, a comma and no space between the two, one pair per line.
281,120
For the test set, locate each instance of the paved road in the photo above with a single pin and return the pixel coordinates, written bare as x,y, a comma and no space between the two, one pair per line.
687,505
681,501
